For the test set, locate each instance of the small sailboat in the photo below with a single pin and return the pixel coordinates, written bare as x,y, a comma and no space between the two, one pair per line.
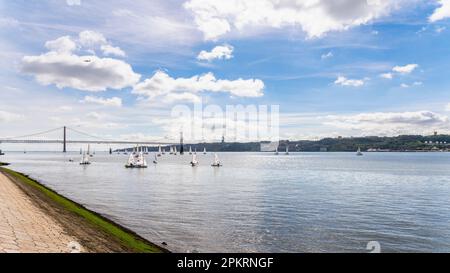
175,152
287,150
204,151
359,153
155,161
190,150
276,152
159,151
85,159
164,151
89,151
194,161
195,151
171,150
216,161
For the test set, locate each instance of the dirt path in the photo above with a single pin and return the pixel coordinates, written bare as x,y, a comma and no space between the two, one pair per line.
30,222
25,227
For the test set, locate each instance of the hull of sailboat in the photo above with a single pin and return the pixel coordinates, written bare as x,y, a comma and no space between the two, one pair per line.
135,166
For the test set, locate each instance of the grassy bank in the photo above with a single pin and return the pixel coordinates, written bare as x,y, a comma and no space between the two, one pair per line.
126,237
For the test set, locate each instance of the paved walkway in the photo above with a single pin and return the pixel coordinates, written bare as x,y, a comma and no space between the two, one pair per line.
24,227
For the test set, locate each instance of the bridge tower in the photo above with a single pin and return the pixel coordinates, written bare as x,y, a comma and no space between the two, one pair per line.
64,140
181,144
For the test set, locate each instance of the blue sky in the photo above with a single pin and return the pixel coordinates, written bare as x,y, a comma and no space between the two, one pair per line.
116,69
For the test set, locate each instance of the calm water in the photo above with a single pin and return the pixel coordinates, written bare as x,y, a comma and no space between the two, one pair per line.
306,202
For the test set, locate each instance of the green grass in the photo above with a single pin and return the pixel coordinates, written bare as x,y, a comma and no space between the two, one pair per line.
125,237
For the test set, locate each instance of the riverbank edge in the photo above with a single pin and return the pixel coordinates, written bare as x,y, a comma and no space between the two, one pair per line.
125,236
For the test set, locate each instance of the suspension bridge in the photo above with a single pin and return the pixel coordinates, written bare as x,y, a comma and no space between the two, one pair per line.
64,140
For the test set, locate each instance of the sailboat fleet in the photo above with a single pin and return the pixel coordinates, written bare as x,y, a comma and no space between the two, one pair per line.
136,159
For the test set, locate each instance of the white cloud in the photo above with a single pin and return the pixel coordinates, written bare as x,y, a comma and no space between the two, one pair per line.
343,81
442,12
88,73
440,29
389,123
91,39
111,50
73,2
447,108
315,17
9,117
407,69
327,55
404,85
219,52
61,45
94,116
161,84
114,101
388,76
62,67
182,97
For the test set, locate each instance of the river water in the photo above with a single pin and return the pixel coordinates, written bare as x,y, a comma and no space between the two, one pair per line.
259,202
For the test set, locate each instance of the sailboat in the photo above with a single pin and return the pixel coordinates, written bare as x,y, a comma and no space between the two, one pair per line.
195,152
146,150
164,151
89,151
155,161
175,150
216,161
359,153
171,150
287,150
2,153
85,159
190,150
136,159
159,151
276,152
204,151
194,161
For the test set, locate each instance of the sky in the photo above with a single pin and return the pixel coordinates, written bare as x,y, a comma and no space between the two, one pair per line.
116,69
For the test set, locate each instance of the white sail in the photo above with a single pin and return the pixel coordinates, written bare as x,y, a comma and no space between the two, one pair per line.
216,161
190,150
194,161
85,159
175,150
287,150
276,152
204,151
359,153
